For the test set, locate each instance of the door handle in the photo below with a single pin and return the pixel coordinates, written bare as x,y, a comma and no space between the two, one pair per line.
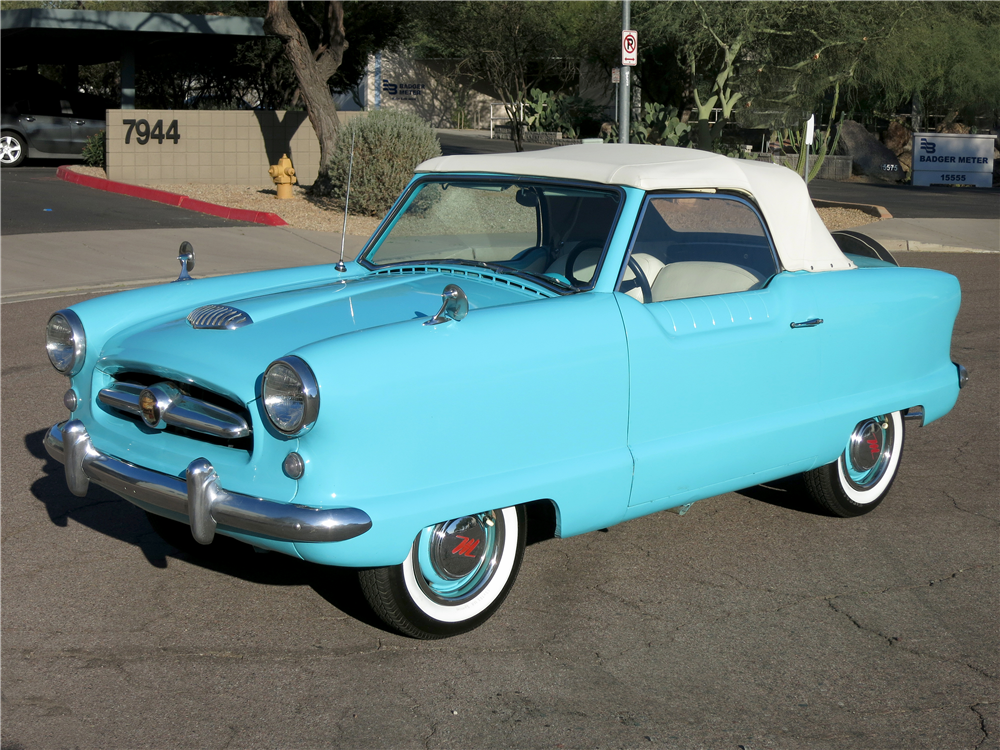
808,323
29,119
79,122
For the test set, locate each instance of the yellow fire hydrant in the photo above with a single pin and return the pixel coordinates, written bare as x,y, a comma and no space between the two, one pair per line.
283,174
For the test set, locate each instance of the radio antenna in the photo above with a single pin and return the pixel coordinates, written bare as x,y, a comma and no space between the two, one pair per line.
347,199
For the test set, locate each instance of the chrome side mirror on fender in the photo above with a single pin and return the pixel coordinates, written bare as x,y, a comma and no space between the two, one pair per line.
454,306
186,257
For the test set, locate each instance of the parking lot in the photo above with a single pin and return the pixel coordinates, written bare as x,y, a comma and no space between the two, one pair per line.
749,622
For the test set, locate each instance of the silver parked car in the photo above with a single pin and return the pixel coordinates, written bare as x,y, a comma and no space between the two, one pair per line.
42,120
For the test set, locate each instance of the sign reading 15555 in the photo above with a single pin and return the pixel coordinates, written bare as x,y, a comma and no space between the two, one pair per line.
143,132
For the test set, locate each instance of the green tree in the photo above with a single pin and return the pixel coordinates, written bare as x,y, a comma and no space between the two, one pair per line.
318,40
511,46
780,61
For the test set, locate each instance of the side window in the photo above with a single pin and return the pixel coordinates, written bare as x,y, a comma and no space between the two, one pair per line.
694,246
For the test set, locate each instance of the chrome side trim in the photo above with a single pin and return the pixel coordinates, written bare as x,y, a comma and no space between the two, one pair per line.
201,497
182,411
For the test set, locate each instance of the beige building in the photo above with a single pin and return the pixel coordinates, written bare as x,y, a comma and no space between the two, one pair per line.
435,92
209,146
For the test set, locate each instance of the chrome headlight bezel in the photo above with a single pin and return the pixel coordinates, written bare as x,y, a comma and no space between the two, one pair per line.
275,396
74,351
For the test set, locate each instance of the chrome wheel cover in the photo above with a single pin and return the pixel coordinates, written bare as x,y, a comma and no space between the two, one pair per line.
869,453
10,149
457,559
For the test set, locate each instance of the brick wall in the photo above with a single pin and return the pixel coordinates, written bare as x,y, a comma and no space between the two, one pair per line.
209,146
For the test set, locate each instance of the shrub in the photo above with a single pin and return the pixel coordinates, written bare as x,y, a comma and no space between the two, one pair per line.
388,145
549,112
93,151
658,125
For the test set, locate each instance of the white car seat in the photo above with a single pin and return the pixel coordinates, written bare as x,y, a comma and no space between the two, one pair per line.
699,278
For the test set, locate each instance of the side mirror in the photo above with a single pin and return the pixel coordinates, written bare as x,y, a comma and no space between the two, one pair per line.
186,258
454,306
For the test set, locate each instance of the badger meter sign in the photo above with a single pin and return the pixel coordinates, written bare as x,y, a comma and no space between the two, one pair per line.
952,159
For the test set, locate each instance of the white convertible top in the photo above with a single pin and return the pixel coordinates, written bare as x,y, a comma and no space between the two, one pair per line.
800,237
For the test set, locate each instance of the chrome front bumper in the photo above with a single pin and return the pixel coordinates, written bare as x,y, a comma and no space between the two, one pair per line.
200,497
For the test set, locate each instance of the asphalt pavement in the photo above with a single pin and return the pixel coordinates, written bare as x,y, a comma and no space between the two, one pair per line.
751,622
35,201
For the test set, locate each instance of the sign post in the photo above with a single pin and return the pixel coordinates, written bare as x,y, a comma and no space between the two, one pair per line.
810,134
630,56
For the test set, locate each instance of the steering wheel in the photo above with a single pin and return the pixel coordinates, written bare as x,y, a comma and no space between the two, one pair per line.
639,281
573,257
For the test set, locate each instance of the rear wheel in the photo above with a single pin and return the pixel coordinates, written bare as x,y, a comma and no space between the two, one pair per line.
455,577
13,149
858,481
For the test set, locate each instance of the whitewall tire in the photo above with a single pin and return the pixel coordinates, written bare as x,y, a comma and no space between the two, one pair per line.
456,575
860,479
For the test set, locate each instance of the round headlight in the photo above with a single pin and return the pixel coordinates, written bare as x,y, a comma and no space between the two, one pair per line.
291,395
65,342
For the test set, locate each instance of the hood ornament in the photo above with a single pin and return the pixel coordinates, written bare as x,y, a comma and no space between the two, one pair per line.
454,306
218,318
186,258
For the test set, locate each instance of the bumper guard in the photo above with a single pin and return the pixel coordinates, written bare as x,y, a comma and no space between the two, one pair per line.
200,497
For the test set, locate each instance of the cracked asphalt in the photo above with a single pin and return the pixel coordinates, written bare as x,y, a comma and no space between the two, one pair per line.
751,622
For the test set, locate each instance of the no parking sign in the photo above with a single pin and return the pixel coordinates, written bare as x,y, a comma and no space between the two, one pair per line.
630,48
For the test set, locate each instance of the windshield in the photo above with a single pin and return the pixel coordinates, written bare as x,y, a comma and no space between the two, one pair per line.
526,228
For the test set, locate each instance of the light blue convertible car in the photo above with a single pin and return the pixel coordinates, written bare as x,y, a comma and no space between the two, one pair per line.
606,330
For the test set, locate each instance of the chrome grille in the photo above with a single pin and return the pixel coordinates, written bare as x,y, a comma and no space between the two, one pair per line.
201,415
218,317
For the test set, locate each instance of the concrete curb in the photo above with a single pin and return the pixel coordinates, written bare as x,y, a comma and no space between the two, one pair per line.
877,211
171,199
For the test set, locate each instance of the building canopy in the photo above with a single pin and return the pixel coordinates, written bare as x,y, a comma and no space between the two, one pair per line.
32,36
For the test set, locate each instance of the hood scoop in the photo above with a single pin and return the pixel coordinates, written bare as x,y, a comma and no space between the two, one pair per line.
218,318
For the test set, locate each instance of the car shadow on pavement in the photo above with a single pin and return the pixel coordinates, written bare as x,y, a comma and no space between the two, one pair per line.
788,493
108,514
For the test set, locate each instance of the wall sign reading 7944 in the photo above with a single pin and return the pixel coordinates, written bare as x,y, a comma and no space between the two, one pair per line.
143,132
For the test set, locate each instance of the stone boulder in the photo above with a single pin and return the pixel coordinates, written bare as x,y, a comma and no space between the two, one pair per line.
898,138
953,127
869,156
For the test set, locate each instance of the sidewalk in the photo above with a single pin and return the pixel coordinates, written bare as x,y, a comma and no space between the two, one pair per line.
38,265
936,235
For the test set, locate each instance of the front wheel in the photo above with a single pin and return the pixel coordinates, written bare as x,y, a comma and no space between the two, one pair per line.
455,577
12,149
857,482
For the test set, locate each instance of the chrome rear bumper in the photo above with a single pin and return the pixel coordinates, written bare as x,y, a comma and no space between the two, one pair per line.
200,497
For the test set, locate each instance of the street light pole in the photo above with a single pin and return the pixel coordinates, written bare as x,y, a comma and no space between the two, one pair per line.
624,99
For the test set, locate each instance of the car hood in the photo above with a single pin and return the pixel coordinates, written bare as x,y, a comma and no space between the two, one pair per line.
231,361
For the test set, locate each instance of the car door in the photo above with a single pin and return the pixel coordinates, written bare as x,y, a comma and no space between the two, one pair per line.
47,129
720,382
88,119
